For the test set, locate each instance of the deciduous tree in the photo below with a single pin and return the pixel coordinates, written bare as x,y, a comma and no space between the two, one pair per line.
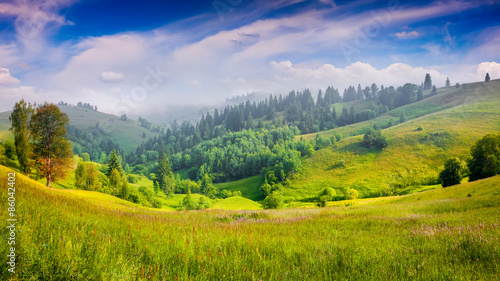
51,149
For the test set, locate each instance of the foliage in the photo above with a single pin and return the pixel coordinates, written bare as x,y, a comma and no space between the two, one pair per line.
188,203
115,180
352,194
273,201
113,164
485,161
164,176
20,118
10,150
87,176
51,148
487,77
452,173
374,139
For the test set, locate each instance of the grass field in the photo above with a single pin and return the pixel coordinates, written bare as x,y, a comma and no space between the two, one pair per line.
444,234
236,203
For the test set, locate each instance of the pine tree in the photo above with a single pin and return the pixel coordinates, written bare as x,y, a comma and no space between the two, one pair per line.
447,81
428,82
487,78
20,118
113,164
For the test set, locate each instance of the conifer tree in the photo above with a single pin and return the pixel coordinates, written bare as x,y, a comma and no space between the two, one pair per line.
20,118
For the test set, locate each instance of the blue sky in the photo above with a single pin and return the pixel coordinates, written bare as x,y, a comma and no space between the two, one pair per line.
141,57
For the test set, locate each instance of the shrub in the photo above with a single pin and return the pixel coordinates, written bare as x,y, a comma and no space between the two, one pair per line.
374,138
352,194
452,173
273,201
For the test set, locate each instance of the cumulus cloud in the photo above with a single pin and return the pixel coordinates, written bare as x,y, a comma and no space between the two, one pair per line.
6,78
396,74
493,68
407,35
111,77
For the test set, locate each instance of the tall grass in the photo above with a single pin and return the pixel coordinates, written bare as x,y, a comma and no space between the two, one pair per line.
436,235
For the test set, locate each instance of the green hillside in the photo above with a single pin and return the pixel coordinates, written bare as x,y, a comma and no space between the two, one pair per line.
442,234
440,127
128,134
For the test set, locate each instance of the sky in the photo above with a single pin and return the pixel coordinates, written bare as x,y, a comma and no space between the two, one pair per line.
149,57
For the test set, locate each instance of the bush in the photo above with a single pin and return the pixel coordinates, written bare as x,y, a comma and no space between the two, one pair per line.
374,138
273,201
352,194
452,173
485,161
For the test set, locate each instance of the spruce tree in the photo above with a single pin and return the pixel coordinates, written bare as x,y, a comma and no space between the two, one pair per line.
113,164
487,78
428,82
447,81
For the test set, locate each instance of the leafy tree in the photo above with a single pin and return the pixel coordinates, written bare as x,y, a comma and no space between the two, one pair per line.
87,176
487,78
51,148
485,161
188,203
325,195
124,189
164,175
427,82
457,85
10,150
113,164
352,194
115,180
452,173
2,155
203,203
273,201
20,118
447,81
86,157
374,138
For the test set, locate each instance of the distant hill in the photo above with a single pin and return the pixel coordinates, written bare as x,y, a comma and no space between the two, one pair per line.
128,134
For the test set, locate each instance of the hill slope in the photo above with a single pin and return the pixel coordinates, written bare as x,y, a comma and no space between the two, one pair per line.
449,124
128,134
435,235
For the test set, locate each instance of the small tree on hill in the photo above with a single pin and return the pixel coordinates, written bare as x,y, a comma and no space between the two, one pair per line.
20,118
434,91
487,78
485,161
51,148
374,138
115,180
188,203
113,164
447,82
164,175
325,195
452,173
87,176
427,82
273,201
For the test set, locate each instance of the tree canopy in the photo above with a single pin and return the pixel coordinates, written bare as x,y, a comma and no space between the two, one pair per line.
51,148
452,173
20,118
485,161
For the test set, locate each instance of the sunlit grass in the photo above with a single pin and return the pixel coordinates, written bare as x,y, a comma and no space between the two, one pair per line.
441,234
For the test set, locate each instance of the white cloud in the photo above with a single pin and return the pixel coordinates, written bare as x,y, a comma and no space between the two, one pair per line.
6,78
111,77
493,68
407,35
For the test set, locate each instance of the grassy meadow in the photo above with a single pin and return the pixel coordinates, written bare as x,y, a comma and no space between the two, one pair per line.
444,234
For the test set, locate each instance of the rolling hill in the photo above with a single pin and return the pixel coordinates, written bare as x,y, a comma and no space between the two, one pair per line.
128,134
442,234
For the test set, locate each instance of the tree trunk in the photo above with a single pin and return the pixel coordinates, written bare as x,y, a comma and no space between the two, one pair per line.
48,172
